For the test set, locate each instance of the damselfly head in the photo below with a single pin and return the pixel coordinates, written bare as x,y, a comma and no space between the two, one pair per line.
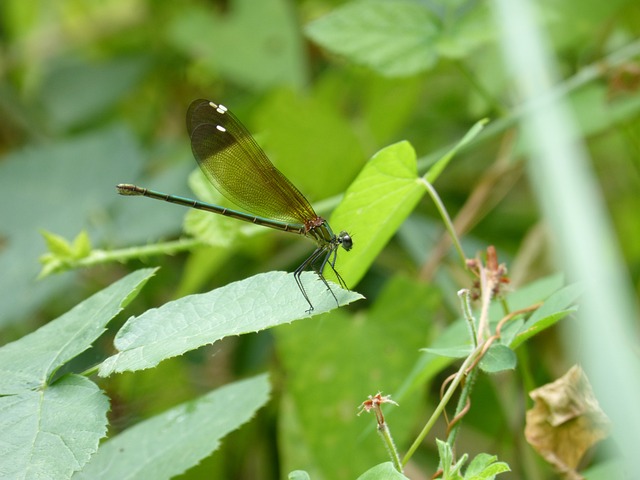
345,240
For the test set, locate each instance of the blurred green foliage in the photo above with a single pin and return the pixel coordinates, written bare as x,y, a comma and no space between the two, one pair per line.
95,93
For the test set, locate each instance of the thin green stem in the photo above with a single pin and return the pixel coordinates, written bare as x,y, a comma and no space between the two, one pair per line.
99,257
445,218
53,263
90,371
504,304
125,254
443,403
384,432
462,403
468,315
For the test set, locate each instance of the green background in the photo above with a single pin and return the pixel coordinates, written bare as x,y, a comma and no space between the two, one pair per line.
95,93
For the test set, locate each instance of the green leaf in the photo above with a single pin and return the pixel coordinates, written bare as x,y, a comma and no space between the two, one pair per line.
401,37
298,475
491,471
450,471
51,432
375,205
445,454
81,245
457,351
498,358
55,260
63,254
485,467
533,292
555,308
250,305
54,344
465,29
178,439
57,244
384,471
50,264
394,38
252,37
479,463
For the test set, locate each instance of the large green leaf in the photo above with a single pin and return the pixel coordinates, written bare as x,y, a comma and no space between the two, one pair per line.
250,305
457,351
51,430
255,44
375,205
554,309
59,341
395,38
498,358
381,198
170,443
401,37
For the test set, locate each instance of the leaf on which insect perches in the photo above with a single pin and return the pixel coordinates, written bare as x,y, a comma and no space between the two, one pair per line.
256,303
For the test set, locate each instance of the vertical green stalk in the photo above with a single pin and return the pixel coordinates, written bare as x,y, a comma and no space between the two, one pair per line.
571,200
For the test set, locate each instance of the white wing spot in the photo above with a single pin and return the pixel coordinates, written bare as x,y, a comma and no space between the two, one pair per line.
221,109
221,128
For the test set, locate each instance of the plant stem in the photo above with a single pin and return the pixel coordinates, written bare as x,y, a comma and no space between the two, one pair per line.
98,257
90,371
445,218
443,403
468,315
384,432
462,403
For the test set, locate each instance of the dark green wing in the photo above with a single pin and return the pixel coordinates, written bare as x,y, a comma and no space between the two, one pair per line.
236,165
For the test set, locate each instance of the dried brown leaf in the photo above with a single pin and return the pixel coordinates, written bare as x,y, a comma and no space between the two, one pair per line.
565,421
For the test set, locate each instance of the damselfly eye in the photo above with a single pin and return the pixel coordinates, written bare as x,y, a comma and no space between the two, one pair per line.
345,240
